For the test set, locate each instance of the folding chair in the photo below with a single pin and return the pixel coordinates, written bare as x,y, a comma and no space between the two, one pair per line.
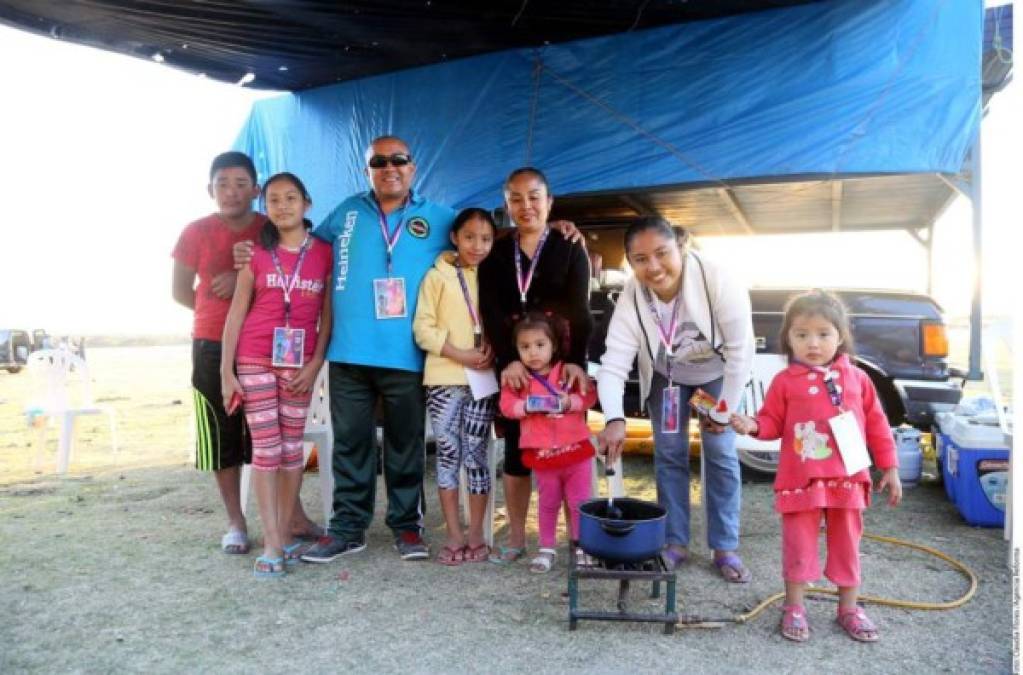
64,392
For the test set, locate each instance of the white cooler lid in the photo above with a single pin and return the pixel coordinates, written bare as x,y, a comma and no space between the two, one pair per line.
967,433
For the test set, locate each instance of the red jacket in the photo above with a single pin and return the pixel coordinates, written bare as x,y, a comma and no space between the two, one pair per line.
797,409
539,430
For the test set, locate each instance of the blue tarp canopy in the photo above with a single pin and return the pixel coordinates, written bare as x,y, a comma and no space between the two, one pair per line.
835,89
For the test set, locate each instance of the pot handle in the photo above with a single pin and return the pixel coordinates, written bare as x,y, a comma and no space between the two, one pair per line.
617,529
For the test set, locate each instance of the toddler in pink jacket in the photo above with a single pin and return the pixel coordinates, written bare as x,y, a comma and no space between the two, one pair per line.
555,440
828,416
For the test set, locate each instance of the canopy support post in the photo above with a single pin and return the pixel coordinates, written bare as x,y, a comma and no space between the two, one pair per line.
976,315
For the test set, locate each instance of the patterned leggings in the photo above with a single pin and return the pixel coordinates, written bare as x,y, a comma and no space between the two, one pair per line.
276,416
461,426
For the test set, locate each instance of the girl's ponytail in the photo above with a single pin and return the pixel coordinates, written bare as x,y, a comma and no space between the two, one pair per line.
269,236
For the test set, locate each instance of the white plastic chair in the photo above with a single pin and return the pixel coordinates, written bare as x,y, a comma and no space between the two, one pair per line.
63,391
318,432
495,449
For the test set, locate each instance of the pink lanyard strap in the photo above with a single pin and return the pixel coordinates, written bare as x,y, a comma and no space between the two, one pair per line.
390,238
667,335
477,328
524,282
288,286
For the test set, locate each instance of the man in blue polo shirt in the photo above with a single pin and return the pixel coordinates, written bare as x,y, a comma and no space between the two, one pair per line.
384,242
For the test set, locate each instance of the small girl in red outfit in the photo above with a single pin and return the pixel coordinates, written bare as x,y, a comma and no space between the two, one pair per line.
555,440
825,410
271,334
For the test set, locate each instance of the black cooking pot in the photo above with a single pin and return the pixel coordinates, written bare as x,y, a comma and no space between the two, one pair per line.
635,533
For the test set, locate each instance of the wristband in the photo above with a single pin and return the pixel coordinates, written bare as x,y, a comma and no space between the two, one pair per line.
613,419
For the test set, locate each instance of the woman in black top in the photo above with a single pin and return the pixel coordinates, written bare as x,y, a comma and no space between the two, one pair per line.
558,283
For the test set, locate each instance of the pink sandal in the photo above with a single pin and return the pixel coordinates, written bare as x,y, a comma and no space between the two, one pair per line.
451,557
855,622
794,625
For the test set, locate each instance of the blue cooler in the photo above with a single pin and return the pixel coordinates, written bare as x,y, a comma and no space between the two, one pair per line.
977,462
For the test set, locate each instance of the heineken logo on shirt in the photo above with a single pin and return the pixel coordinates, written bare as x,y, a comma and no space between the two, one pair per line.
418,227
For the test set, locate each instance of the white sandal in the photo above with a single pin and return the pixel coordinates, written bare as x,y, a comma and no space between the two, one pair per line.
543,561
584,559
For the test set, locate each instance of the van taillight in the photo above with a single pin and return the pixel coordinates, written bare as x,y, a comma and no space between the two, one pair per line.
935,339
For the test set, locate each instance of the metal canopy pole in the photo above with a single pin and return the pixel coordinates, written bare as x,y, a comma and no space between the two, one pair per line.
976,192
930,259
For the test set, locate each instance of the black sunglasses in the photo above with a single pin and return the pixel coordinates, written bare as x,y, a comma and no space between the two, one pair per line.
396,160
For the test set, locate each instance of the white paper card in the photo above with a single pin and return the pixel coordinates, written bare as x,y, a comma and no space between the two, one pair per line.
851,445
483,383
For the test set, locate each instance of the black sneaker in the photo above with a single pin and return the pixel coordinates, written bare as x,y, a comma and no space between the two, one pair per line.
411,546
329,547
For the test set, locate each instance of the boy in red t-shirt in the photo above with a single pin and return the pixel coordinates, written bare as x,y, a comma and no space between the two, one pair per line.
204,251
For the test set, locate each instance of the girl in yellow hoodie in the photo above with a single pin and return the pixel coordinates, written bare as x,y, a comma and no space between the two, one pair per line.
447,326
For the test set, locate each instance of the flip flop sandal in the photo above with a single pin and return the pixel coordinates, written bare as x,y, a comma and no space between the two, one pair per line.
856,623
672,558
794,625
732,569
268,568
506,555
235,542
477,554
292,553
451,556
543,562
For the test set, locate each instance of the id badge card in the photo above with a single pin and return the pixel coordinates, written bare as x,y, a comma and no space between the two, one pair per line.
671,410
542,404
389,298
849,440
288,347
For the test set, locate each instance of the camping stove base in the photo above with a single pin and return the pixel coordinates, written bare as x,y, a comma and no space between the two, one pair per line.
651,570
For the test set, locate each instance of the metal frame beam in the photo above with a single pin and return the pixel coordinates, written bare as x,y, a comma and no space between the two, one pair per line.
836,205
728,199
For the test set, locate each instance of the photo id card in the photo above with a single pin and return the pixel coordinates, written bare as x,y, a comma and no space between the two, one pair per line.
536,403
671,410
288,347
849,439
389,298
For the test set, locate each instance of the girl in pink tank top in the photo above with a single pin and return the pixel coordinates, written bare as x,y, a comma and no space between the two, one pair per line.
276,336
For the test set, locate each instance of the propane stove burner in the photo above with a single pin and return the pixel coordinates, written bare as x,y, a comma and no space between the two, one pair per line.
651,569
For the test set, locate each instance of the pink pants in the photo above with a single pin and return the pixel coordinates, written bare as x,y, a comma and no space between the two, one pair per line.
568,483
800,532
276,416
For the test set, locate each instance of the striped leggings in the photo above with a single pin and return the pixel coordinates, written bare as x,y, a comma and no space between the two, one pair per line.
276,416
461,427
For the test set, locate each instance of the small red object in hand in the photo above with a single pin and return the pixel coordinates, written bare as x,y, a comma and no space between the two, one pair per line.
235,403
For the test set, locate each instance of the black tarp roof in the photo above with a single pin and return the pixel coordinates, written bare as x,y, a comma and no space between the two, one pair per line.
298,44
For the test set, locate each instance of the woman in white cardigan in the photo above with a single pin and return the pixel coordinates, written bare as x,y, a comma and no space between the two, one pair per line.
689,324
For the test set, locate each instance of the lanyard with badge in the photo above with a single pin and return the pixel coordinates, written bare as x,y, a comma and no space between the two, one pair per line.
671,398
540,403
844,427
525,281
477,326
389,293
288,342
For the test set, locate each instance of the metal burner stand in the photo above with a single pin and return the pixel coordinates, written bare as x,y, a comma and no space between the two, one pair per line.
652,570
